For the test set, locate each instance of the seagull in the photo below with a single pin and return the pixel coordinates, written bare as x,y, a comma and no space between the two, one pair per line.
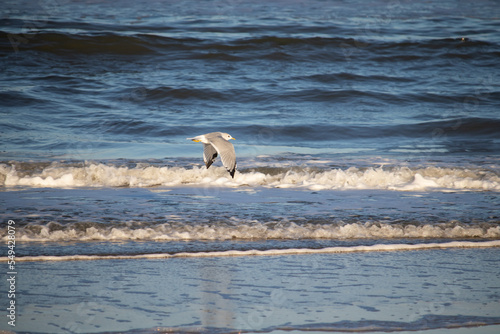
217,143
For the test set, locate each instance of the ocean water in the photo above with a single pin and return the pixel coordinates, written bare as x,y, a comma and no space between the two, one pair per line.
363,130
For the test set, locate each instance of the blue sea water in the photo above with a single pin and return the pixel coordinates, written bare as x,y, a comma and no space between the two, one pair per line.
357,124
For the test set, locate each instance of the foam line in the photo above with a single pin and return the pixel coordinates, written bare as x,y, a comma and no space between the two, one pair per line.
252,230
270,252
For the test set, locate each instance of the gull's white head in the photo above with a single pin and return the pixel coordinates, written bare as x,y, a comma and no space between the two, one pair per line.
227,136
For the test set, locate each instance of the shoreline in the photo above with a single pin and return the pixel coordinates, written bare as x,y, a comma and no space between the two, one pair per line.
269,252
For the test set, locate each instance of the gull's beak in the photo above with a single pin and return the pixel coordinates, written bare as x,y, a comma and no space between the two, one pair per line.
233,138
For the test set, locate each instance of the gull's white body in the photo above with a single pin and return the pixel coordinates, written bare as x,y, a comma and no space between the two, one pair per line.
217,143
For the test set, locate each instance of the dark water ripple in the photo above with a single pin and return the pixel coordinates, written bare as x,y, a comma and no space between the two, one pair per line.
312,48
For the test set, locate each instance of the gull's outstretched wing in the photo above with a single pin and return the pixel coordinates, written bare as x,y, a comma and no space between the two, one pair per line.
226,151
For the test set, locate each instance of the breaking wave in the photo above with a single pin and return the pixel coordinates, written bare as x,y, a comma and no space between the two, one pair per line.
60,175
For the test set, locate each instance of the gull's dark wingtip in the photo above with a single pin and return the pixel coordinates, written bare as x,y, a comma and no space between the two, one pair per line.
232,172
211,161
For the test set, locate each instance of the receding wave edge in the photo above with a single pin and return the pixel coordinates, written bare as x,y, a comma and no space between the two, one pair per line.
270,252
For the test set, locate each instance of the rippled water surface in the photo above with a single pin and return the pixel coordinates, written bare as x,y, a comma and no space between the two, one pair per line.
360,127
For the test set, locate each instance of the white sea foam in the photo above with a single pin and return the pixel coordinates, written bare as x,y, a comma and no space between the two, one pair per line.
253,230
386,178
270,252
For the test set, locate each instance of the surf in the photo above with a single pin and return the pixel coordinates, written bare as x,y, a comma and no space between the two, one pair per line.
316,178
